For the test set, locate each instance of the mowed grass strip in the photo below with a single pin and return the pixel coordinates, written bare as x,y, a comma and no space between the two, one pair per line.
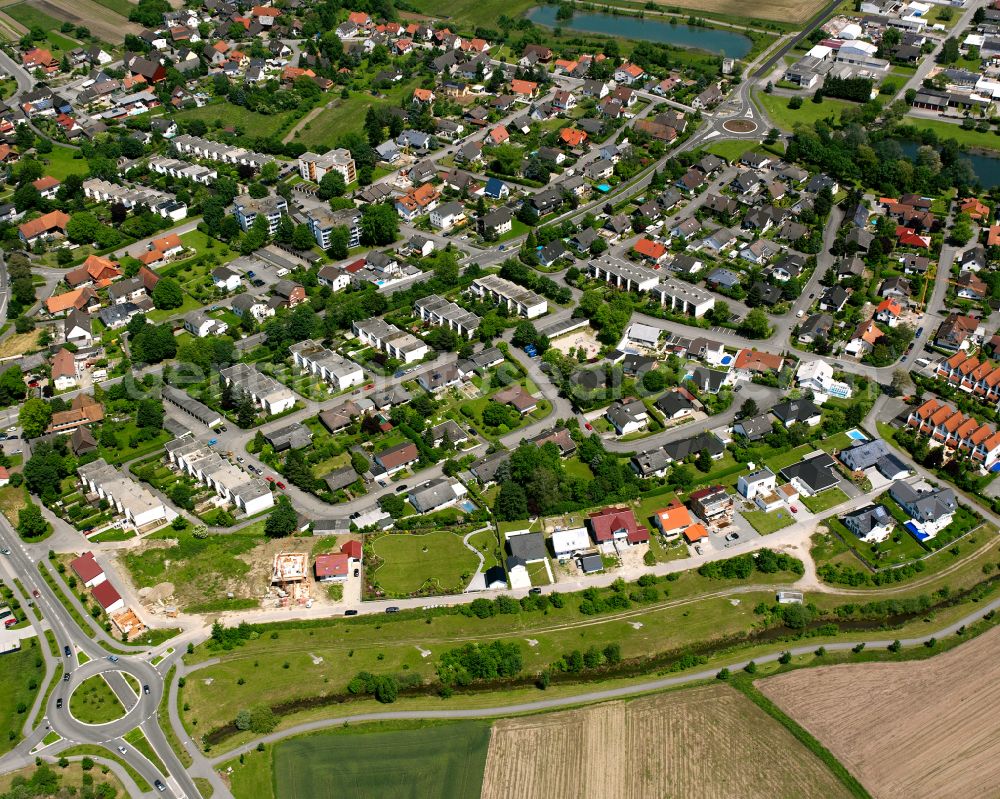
22,673
437,762
410,561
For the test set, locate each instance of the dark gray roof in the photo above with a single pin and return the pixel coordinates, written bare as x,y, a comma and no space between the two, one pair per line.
527,547
816,473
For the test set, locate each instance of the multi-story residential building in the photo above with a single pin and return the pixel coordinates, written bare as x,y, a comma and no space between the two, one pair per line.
972,374
266,392
516,298
712,505
439,311
322,222
333,368
313,167
272,208
215,151
230,483
390,339
141,509
623,275
184,170
680,296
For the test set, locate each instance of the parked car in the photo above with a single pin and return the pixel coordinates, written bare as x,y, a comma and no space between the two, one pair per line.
357,572
350,612
269,479
5,551
795,508
280,485
403,487
535,591
392,609
733,537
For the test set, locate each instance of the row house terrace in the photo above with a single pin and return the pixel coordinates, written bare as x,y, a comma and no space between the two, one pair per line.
970,374
955,430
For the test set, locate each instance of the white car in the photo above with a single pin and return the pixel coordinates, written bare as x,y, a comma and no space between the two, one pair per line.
800,314
123,750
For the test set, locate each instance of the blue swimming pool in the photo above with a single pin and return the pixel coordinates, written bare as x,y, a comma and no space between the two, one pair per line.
603,187
726,360
856,435
467,505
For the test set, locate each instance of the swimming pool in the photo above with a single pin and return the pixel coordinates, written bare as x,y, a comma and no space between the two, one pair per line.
604,187
856,435
467,505
726,360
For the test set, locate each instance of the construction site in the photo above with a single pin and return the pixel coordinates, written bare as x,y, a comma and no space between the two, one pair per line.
290,579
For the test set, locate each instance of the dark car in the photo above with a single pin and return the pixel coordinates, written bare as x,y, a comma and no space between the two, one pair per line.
535,591
35,594
59,703
357,572
159,785
145,690
392,609
350,612
66,677
67,651
733,537
401,488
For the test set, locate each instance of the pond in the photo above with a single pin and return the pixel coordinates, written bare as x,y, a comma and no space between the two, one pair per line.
711,40
985,167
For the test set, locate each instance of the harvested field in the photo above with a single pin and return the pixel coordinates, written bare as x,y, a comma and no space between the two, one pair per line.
924,729
709,742
781,10
104,23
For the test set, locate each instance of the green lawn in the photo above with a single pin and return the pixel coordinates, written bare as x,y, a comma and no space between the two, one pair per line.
778,462
30,17
61,163
835,443
824,500
225,113
22,672
445,761
486,542
123,7
947,130
783,117
411,562
93,702
159,314
538,573
765,523
730,150
348,116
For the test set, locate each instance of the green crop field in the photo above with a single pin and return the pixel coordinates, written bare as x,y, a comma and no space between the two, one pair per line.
445,761
410,561
22,672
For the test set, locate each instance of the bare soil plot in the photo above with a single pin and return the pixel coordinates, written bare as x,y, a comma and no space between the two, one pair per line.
102,22
709,742
924,729
781,10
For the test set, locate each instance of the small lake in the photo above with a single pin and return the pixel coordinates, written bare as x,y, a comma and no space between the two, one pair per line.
711,40
986,167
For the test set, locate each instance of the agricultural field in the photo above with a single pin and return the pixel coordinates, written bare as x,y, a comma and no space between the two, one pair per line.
443,761
99,18
874,717
707,742
409,562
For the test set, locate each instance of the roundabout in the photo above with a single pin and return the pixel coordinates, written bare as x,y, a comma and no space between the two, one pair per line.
740,125
99,701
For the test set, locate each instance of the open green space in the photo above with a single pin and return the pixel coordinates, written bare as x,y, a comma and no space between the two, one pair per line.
411,562
348,116
947,130
199,568
123,7
835,443
824,500
765,523
731,150
473,12
227,114
93,702
782,460
95,750
33,17
22,674
445,761
63,162
785,118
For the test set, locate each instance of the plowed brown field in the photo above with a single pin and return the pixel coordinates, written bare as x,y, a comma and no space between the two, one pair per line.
709,742
926,729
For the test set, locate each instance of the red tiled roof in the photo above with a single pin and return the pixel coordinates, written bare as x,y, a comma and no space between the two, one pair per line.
333,565
106,594
86,567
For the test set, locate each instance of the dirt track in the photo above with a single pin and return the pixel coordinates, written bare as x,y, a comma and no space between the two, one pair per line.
102,21
927,729
708,742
